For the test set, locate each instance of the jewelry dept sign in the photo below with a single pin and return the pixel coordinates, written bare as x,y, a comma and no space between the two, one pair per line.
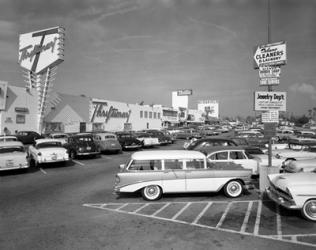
41,49
102,111
270,101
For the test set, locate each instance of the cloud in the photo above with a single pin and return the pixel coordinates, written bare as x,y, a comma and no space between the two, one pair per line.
304,88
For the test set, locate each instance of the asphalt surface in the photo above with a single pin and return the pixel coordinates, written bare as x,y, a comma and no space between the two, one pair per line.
73,207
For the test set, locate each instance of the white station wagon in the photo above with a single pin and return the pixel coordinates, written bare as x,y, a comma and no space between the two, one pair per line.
178,171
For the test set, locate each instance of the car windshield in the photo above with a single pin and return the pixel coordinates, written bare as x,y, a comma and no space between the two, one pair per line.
4,150
109,137
48,144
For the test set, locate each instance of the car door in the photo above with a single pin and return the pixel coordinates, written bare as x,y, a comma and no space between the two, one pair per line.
199,179
173,178
240,157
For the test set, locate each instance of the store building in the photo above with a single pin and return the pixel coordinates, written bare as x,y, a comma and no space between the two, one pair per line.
18,108
71,114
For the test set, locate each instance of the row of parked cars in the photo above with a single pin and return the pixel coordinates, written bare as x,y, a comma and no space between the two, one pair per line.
28,148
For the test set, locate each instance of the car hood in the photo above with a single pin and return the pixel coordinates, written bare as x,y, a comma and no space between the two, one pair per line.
284,181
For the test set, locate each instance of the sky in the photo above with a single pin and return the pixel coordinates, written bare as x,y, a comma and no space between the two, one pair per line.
141,50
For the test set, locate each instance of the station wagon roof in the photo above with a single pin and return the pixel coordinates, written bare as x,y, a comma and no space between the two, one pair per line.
167,154
212,149
10,143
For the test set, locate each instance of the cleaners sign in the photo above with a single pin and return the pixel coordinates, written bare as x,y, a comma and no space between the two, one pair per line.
270,101
270,54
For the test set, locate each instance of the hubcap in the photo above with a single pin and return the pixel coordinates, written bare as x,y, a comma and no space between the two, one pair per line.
311,209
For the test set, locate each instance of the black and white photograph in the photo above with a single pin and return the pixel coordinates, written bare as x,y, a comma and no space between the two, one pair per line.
157,124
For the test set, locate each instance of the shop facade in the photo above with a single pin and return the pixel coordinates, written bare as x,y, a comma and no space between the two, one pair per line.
18,108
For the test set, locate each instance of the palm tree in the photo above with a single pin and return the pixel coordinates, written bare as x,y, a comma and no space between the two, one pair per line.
314,115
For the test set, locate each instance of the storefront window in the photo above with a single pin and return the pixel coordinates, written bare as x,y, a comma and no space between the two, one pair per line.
150,114
146,114
141,114
155,115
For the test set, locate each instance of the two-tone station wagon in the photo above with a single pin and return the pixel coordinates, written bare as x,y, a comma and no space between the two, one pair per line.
154,173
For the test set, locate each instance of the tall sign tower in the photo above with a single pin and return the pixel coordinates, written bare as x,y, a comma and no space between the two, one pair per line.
40,52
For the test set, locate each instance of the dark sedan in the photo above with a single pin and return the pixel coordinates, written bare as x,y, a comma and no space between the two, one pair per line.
81,144
128,141
28,137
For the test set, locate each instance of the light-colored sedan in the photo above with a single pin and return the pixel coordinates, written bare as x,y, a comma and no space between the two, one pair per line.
296,151
156,172
47,151
62,137
13,155
294,191
294,166
236,155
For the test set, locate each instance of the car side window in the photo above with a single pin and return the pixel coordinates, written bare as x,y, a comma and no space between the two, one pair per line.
147,165
219,156
194,164
236,155
173,164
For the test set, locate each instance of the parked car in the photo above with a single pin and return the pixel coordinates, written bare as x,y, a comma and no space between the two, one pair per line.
162,138
62,137
28,137
188,134
236,155
147,139
47,151
81,144
296,151
294,166
157,172
8,138
209,142
13,155
294,191
128,141
107,142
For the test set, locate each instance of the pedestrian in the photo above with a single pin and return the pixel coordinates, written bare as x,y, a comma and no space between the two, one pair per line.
6,131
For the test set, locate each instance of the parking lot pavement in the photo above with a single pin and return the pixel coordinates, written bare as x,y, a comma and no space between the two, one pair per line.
259,218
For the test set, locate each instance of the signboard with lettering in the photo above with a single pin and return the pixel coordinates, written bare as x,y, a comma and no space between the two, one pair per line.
270,116
184,92
270,101
269,81
270,54
41,49
103,111
269,71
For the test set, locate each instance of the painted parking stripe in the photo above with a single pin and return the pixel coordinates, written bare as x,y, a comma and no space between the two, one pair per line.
43,171
78,162
246,219
184,207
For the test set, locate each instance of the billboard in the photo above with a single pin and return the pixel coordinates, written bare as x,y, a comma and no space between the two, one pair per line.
265,101
41,49
210,108
184,92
